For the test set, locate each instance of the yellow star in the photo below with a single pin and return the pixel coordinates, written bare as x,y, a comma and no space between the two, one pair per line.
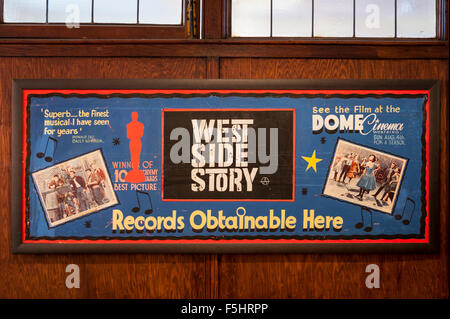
312,161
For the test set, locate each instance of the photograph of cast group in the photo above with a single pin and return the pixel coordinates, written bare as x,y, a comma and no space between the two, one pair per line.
74,188
364,176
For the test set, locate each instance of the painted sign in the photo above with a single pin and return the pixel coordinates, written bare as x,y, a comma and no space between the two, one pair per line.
230,166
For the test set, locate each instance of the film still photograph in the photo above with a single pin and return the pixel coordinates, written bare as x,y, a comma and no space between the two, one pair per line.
364,176
74,188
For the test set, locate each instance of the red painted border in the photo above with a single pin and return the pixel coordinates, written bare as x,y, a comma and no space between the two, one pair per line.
27,92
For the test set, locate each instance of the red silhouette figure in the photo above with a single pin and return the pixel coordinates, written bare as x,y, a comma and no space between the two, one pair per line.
135,131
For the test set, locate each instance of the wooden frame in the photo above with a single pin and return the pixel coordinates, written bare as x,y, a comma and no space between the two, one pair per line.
215,42
431,245
95,31
216,24
441,30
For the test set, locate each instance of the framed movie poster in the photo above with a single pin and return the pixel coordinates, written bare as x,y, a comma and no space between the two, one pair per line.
225,166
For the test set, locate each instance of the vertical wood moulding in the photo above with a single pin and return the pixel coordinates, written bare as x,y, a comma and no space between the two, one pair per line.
212,260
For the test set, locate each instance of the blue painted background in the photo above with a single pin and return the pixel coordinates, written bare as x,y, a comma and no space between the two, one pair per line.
149,110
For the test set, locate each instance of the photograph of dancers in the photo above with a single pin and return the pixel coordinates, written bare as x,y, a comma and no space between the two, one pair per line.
365,176
74,188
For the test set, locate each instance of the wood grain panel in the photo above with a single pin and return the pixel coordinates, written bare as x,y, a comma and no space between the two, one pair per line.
102,276
231,48
212,72
225,276
341,276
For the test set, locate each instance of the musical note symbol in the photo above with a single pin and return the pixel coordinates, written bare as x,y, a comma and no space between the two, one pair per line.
407,221
138,207
361,224
49,150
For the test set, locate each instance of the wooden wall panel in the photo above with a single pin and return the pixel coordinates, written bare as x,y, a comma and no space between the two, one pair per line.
341,276
223,276
102,276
